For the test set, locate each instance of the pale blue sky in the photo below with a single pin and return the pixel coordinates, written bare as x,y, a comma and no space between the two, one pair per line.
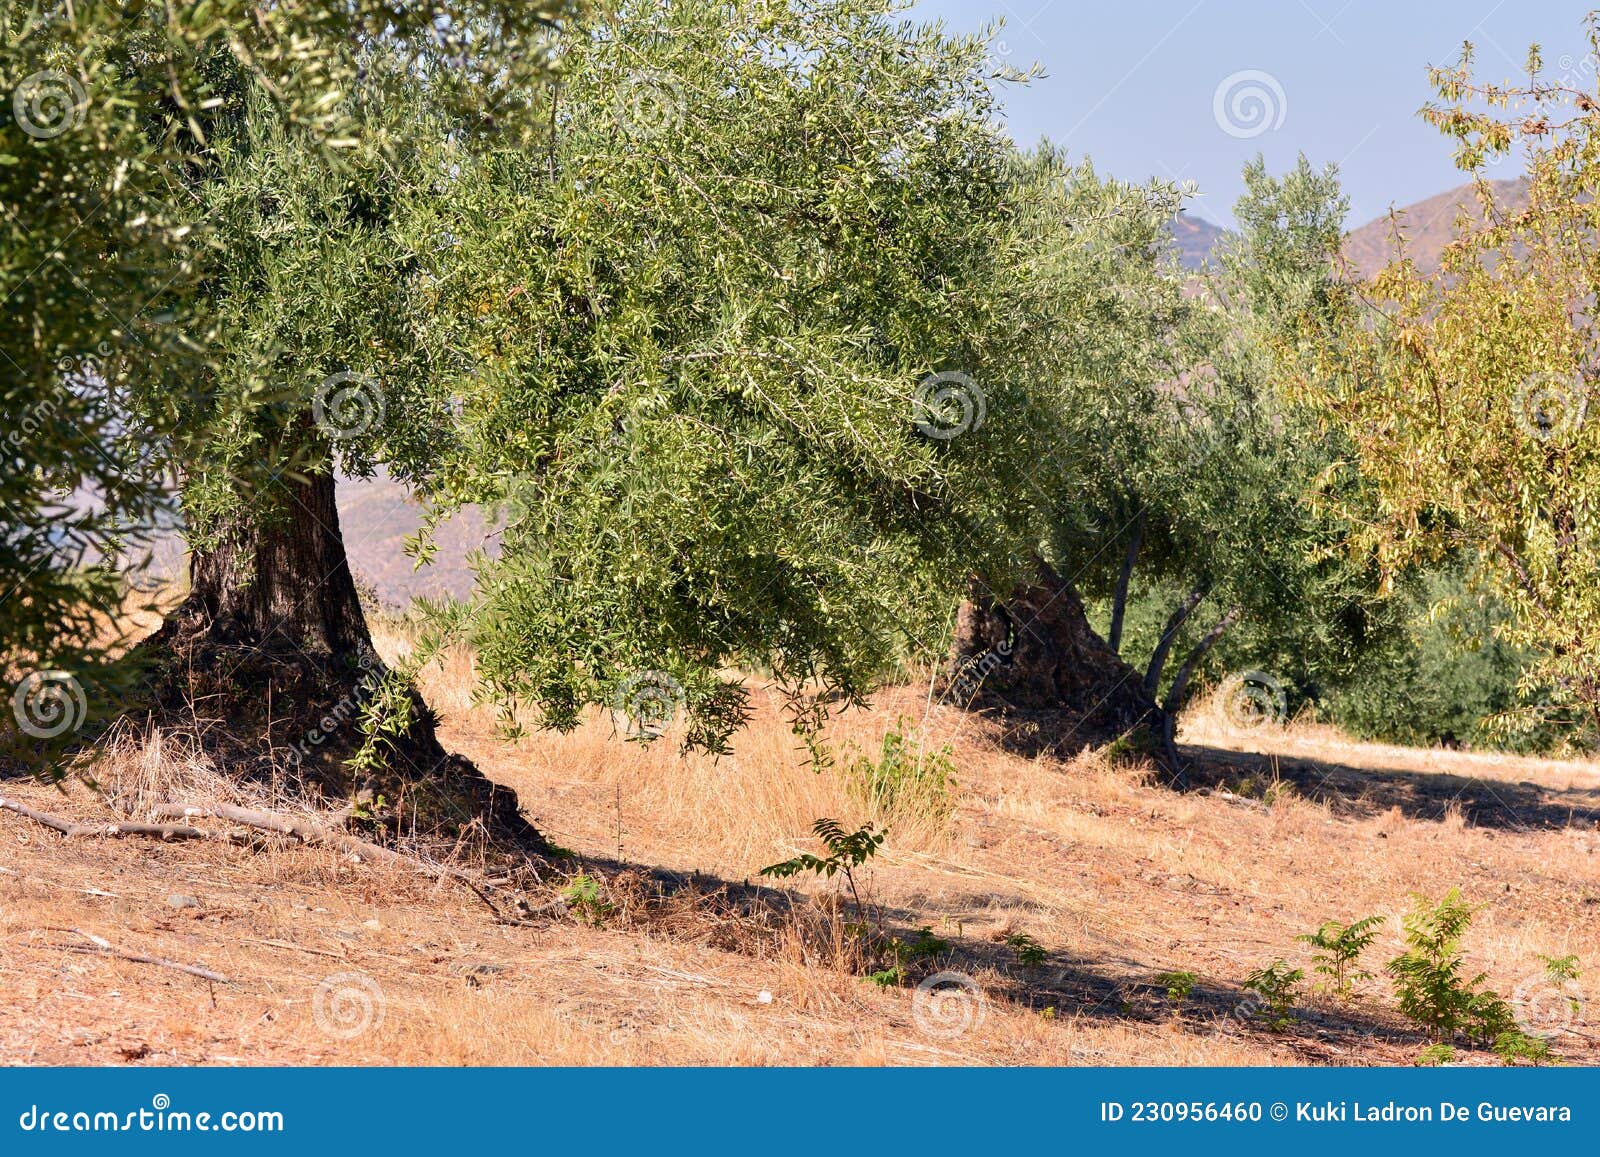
1133,83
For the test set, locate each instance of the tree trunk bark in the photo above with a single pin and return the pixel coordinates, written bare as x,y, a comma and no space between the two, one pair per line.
1169,635
283,578
270,663
1119,597
1173,703
1037,651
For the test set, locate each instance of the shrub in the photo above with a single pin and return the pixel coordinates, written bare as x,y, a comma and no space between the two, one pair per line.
1515,1045
1275,985
1178,985
1030,953
904,780
846,852
1340,947
1430,981
1435,1055
583,895
902,957
1561,971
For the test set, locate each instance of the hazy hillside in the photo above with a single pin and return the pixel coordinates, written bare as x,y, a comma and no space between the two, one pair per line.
377,514
1194,238
1428,227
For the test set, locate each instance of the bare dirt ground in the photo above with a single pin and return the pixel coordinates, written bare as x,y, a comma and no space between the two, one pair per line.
329,960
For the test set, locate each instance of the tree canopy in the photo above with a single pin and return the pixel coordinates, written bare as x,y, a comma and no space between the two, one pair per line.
743,358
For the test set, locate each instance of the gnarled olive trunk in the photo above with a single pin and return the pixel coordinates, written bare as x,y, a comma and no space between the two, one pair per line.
269,661
282,577
1035,651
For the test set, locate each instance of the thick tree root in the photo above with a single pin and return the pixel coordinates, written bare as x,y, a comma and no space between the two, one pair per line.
303,830
288,721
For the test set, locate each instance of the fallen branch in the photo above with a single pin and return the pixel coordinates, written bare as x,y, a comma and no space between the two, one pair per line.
304,830
102,947
295,947
74,830
310,832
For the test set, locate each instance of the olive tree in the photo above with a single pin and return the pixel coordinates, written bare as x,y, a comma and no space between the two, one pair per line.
111,118
721,323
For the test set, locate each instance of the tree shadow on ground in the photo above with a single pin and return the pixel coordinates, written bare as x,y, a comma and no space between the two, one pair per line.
974,971
1482,801
1058,734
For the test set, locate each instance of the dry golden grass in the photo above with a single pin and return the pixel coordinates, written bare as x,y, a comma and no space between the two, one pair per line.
1118,877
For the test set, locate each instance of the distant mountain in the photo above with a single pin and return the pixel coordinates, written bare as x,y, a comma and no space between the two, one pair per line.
1428,226
1194,238
377,514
